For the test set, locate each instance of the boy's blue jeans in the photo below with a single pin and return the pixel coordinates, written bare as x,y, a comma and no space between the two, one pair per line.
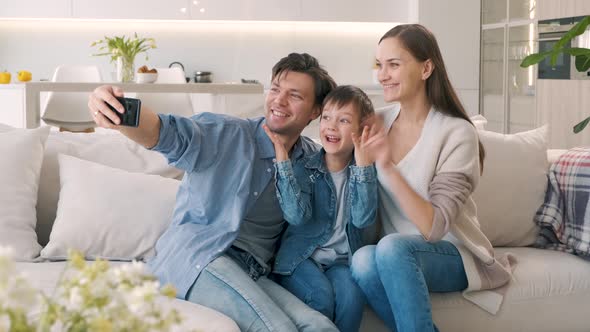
332,292
397,274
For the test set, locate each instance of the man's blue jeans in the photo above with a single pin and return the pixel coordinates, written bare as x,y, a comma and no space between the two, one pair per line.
238,290
332,292
397,274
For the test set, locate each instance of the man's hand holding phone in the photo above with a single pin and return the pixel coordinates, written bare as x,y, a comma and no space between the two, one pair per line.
132,107
110,109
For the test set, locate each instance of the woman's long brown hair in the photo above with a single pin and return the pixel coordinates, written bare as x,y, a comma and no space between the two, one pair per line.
421,43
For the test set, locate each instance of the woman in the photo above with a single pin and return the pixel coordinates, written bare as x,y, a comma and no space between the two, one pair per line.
428,161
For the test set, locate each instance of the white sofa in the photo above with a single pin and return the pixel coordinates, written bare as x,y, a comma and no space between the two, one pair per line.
549,291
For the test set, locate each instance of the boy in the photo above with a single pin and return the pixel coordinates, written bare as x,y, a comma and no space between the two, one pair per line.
326,198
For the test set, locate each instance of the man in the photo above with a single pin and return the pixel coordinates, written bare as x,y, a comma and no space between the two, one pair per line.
227,219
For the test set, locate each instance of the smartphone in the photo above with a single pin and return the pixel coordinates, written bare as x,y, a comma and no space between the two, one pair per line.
132,107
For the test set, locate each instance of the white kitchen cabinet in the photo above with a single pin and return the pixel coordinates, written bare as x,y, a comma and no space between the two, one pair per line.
12,112
359,11
257,10
131,9
36,8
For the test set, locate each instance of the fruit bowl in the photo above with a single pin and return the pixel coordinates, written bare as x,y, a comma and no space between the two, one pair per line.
146,77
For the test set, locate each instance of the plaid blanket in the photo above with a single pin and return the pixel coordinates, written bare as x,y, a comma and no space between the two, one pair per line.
564,217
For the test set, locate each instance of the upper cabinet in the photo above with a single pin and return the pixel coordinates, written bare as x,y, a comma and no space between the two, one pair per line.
36,8
131,9
359,11
258,10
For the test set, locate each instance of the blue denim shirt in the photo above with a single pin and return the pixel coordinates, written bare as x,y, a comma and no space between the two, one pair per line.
227,162
307,196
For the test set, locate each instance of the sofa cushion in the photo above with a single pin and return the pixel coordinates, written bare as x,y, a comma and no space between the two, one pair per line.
549,292
104,147
109,213
512,186
21,156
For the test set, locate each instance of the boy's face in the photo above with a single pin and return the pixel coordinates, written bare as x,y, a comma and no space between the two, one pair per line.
290,103
336,126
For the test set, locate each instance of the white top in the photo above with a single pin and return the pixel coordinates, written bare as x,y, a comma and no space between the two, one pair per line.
440,135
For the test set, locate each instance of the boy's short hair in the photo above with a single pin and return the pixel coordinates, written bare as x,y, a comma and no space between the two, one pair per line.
306,64
348,94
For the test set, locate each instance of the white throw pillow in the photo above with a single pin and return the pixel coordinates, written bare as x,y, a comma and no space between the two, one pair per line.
109,213
512,186
21,156
108,148
479,121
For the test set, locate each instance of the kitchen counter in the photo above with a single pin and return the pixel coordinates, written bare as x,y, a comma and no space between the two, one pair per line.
32,91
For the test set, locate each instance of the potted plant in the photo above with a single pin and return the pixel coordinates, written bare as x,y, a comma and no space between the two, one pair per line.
123,50
582,57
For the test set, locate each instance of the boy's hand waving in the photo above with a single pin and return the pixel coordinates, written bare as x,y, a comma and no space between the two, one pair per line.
372,145
362,155
280,151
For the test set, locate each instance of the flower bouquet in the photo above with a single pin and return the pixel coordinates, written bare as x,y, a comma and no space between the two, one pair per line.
88,297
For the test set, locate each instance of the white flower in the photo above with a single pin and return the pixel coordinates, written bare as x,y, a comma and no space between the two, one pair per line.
57,327
133,272
91,294
7,267
4,323
75,300
139,298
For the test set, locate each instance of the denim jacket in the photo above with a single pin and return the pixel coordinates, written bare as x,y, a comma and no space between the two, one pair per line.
307,196
227,163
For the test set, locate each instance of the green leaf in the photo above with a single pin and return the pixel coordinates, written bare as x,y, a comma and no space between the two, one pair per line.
554,55
580,126
534,59
583,62
576,30
575,51
123,46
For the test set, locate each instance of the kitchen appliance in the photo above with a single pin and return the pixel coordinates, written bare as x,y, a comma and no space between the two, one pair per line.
551,31
203,77
176,63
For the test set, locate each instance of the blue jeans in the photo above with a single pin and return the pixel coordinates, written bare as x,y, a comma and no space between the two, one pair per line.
332,292
236,286
397,274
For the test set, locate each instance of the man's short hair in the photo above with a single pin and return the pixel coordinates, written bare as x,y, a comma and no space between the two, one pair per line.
306,64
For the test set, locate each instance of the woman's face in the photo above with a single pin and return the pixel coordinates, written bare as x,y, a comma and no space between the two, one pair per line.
400,74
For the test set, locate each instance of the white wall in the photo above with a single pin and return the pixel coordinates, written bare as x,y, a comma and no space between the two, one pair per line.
456,25
246,49
231,50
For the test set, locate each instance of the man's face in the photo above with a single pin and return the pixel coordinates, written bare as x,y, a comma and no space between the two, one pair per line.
289,105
